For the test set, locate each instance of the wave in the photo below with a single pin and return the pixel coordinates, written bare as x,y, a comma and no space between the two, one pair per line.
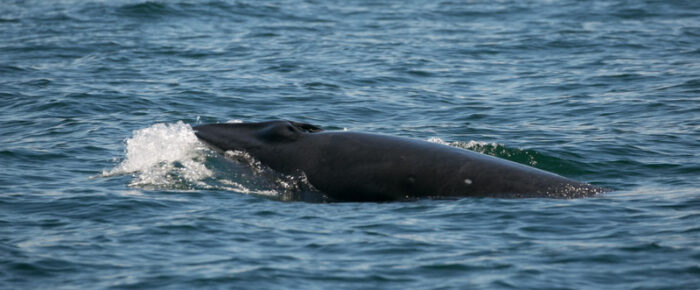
528,157
163,156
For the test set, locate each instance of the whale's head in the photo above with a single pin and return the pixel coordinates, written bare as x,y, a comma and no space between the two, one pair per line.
252,137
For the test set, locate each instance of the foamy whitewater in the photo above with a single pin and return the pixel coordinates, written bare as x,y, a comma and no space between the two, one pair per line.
164,156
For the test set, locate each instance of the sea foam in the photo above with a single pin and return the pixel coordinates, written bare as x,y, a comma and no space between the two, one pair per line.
163,155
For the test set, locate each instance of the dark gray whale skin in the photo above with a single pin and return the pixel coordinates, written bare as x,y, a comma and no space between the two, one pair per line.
353,166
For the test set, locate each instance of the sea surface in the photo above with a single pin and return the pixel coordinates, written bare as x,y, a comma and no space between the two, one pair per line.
104,185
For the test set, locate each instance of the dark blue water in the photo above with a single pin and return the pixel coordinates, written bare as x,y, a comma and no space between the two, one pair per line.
103,184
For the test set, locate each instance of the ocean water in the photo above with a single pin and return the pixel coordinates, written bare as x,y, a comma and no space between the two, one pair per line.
103,184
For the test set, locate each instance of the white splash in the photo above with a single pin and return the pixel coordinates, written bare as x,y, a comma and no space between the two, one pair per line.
253,164
479,146
471,145
437,140
163,155
238,187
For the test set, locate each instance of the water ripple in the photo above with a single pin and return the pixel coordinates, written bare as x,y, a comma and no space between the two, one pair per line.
602,91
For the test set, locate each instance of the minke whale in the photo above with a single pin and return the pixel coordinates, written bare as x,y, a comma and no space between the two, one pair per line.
355,166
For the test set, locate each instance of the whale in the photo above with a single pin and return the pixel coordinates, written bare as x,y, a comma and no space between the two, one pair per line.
351,166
